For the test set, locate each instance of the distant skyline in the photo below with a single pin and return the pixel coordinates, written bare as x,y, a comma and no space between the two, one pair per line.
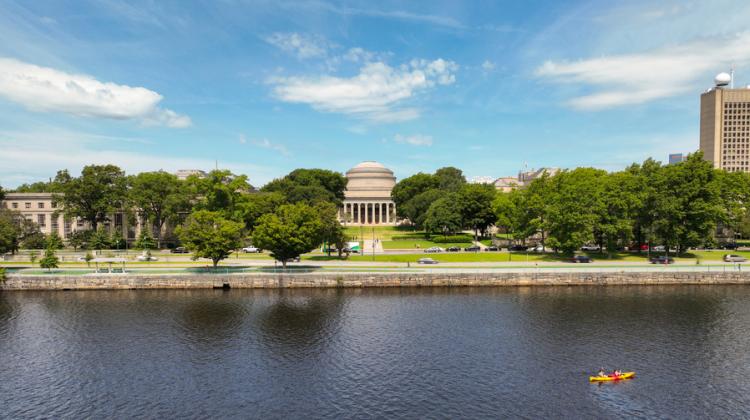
264,87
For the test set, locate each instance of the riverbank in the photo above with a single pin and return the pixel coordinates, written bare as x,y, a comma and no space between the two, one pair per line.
374,279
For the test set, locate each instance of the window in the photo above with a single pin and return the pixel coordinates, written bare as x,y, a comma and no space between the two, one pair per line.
54,224
40,205
41,220
27,205
54,205
15,205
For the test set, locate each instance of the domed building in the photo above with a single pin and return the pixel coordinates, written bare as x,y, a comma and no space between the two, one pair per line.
368,195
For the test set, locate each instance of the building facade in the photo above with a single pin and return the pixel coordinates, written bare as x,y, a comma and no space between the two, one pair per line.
367,199
725,126
675,158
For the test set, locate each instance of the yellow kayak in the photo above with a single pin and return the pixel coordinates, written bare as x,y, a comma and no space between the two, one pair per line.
624,375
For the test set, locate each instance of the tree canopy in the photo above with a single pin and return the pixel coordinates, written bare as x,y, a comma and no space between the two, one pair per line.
209,235
292,230
93,196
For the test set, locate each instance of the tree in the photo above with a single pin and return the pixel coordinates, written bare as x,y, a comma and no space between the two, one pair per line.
331,229
444,215
220,191
508,212
50,260
159,197
410,187
209,235
310,186
100,239
79,239
54,241
289,232
450,179
33,240
99,191
618,204
118,241
258,204
416,209
32,256
10,231
145,241
476,207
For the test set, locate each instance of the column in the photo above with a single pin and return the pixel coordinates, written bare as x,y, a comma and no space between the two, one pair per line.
361,213
387,213
376,216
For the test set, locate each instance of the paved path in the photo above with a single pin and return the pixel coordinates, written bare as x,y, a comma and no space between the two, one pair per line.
368,244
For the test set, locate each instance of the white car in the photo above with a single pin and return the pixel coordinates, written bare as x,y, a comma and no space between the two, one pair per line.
734,258
251,249
658,248
145,257
537,248
591,248
434,249
426,261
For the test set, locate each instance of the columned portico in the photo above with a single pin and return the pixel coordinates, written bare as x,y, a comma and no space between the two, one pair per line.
368,196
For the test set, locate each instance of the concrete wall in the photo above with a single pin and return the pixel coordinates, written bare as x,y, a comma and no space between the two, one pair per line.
134,281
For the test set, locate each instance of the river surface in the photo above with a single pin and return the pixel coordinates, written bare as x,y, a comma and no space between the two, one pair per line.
367,353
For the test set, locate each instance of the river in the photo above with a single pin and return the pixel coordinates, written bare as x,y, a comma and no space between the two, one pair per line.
387,353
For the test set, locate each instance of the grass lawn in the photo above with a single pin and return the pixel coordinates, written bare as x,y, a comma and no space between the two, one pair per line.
506,257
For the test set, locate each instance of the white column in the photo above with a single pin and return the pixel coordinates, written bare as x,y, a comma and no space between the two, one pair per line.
361,214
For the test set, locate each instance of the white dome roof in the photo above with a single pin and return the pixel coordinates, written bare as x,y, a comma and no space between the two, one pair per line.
369,179
370,164
722,79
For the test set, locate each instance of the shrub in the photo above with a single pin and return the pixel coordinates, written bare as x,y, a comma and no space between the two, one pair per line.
451,239
2,275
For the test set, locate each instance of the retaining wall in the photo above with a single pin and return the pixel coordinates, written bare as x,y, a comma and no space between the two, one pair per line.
327,280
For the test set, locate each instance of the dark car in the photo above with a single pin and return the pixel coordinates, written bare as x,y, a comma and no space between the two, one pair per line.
492,248
518,248
729,246
179,250
662,260
473,248
453,249
581,259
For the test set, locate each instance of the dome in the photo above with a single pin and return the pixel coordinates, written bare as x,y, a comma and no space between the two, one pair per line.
722,79
369,179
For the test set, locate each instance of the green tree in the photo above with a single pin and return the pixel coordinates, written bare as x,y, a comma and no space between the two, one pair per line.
220,191
145,241
258,204
79,239
97,193
618,205
331,229
54,241
10,231
118,241
508,211
450,179
159,197
100,239
209,235
33,240
310,186
289,232
444,215
415,210
32,256
410,187
476,207
50,260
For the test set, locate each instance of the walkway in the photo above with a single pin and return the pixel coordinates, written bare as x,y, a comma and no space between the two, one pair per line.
367,248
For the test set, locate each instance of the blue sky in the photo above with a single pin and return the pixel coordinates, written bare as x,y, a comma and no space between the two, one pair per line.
266,87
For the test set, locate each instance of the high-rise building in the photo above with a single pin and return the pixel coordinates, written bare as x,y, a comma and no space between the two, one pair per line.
725,125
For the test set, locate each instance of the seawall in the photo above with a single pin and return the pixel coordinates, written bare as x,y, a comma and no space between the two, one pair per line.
331,280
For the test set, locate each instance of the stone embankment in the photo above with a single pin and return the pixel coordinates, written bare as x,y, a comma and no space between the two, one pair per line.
330,280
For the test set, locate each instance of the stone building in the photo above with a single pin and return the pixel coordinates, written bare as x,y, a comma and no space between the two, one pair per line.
368,196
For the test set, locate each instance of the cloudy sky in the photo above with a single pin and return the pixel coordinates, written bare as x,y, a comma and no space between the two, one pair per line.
266,87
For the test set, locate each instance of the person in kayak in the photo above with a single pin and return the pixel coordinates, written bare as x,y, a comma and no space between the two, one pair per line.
617,372
601,372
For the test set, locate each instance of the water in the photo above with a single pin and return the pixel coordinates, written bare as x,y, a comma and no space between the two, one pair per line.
395,353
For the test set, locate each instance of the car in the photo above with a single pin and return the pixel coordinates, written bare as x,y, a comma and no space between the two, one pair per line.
295,259
426,261
473,248
663,259
434,249
518,248
734,258
729,246
492,248
591,248
453,249
581,259
658,248
251,249
146,257
179,250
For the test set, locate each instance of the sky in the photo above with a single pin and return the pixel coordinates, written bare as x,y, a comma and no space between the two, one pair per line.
264,87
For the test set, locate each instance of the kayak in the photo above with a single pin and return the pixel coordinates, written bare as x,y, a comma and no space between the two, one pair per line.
624,375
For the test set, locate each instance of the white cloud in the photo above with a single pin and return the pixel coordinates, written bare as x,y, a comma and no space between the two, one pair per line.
488,66
44,89
414,140
637,78
376,93
266,144
37,155
301,45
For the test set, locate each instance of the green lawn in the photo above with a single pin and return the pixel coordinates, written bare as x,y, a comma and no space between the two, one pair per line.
486,256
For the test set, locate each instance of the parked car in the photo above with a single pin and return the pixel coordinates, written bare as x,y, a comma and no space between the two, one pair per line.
658,248
734,258
729,246
179,250
518,248
537,248
591,248
473,248
581,259
662,260
146,257
453,249
434,249
492,248
295,259
251,249
426,261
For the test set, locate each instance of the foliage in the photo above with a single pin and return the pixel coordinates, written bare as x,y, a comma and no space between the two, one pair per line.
220,191
444,216
118,241
450,179
10,230
99,191
145,241
33,240
209,235
54,241
451,239
311,186
79,239
100,239
88,257
415,210
289,232
331,230
258,204
2,275
159,197
476,207
49,260
32,256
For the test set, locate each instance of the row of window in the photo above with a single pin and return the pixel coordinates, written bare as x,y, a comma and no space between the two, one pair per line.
736,105
27,205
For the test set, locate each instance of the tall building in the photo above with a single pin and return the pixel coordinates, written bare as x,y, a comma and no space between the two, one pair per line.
725,125
675,158
368,196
